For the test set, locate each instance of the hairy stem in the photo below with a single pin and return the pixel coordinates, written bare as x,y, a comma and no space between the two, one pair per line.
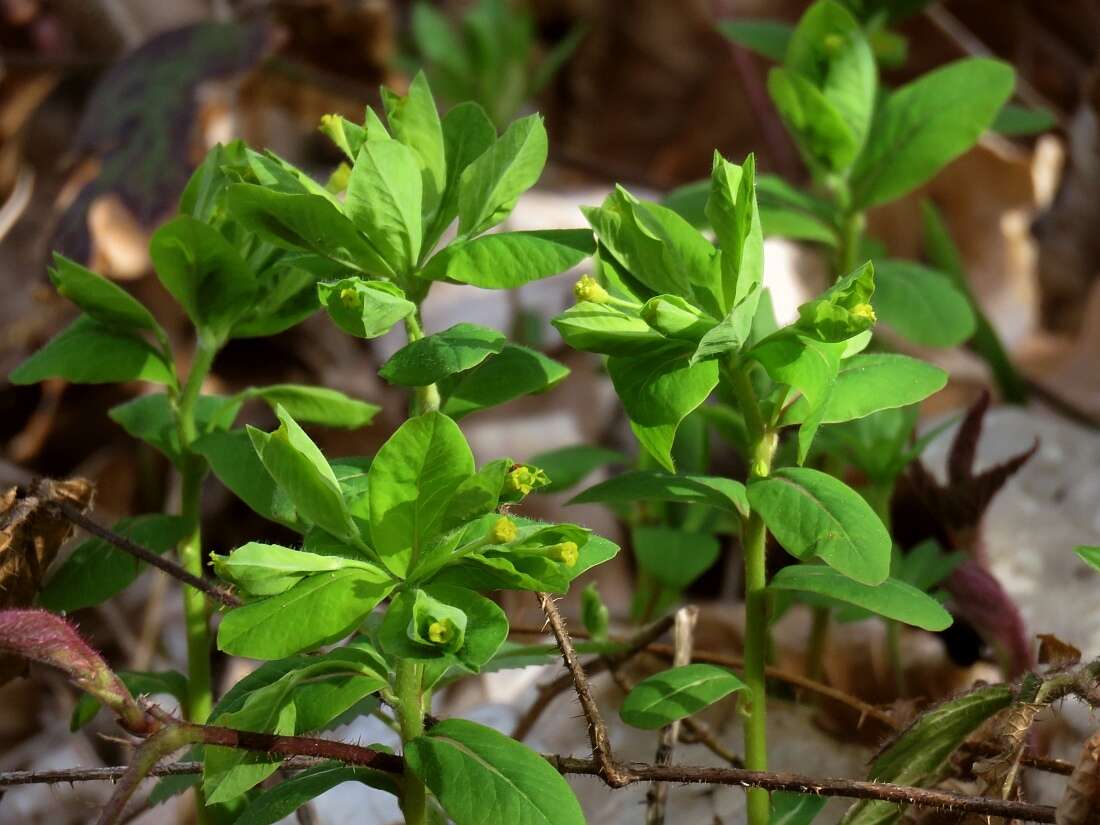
754,542
410,711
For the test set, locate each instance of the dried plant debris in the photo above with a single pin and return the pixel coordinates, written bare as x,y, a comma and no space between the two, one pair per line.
31,532
138,122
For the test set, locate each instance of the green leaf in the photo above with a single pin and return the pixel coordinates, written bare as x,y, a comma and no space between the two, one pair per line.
1016,121
480,775
490,186
654,485
228,772
869,383
892,598
305,222
732,211
1089,555
349,137
922,305
768,38
139,683
365,309
103,300
88,352
512,372
204,273
594,613
944,255
414,121
152,419
569,466
790,808
675,558
404,631
923,126
505,260
478,494
412,480
676,693
434,357
658,389
234,461
301,471
918,754
829,49
467,134
269,569
844,310
318,610
317,405
275,804
603,328
383,201
813,514
96,570
824,139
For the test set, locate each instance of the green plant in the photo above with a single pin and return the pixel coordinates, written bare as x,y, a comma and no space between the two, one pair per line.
259,246
488,55
677,319
865,146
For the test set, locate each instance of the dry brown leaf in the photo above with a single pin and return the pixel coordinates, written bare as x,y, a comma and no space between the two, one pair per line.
1056,653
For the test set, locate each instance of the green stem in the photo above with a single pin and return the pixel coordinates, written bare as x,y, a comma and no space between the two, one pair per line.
850,232
410,712
754,540
425,399
195,607
893,655
196,611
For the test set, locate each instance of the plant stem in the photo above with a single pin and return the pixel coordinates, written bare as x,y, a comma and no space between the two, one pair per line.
196,613
410,711
754,541
850,232
192,473
425,399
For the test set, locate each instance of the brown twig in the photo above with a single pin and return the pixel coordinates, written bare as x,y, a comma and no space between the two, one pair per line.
682,774
797,783
631,648
597,731
146,555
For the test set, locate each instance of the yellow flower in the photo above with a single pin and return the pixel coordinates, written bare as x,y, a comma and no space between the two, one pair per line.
504,530
588,289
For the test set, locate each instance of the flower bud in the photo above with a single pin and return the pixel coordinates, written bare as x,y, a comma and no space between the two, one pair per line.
588,289
674,317
522,480
441,632
566,552
503,531
864,311
436,624
350,298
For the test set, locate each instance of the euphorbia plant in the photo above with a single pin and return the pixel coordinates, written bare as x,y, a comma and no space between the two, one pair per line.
418,527
680,318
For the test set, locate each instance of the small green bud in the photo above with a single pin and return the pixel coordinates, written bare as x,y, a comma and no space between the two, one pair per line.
833,43
588,289
674,317
504,530
864,311
522,480
441,632
566,552
350,298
